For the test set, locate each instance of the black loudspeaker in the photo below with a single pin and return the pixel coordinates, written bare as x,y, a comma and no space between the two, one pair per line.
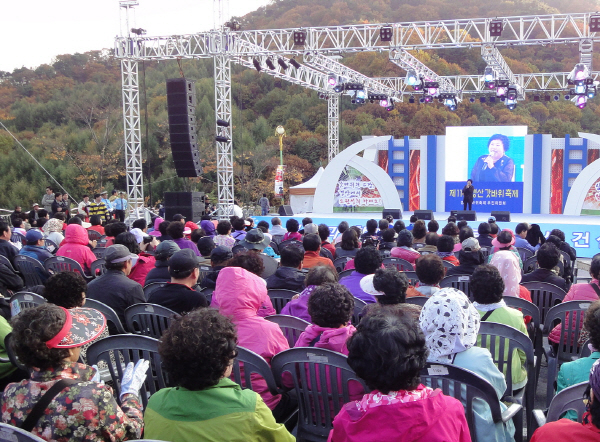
467,215
454,213
396,213
286,211
424,214
188,204
501,216
181,106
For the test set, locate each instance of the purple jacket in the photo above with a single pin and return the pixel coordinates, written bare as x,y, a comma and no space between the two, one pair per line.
352,283
184,243
299,307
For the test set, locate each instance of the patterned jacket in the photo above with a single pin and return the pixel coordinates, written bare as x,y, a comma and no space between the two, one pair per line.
86,411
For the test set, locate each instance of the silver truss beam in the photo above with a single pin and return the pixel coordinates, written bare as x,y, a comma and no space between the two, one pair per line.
132,136
333,126
586,49
494,59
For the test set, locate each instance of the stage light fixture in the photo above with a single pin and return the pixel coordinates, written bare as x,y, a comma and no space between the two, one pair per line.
556,97
386,33
567,97
384,103
511,106
591,91
482,99
390,107
579,73
581,101
421,100
489,75
595,23
270,64
256,64
511,94
472,99
222,123
360,96
339,87
428,98
492,99
418,87
536,98
138,31
412,78
332,79
234,25
294,63
300,37
432,88
547,98
580,87
495,28
450,103
501,91
221,139
281,62
411,99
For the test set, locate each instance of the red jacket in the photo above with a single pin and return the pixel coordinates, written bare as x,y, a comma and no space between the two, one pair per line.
142,267
75,246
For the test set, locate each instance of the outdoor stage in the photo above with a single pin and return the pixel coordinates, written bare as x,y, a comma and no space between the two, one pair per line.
581,232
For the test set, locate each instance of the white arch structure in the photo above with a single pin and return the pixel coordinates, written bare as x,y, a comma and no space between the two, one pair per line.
325,192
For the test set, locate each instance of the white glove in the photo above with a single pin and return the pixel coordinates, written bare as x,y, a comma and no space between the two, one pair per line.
96,377
133,378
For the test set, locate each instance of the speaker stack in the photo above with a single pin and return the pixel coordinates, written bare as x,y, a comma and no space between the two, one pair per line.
501,216
181,106
396,213
467,215
424,214
188,204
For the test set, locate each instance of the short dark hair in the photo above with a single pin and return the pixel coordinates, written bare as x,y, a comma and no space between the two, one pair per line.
367,260
592,323
330,305
139,224
405,238
205,246
465,232
413,219
175,230
57,194
452,219
60,215
306,220
388,352
31,329
433,226
319,275
239,224
41,222
484,229
311,242
419,230
210,341
65,289
349,240
291,257
559,233
343,226
494,228
372,226
431,239
399,226
197,234
323,230
450,229
77,220
595,268
292,225
430,269
486,284
264,224
548,256
391,282
521,227
42,213
17,222
95,220
128,240
384,224
223,227
388,235
114,229
462,223
249,261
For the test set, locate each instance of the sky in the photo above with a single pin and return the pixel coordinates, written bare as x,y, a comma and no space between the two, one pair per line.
33,32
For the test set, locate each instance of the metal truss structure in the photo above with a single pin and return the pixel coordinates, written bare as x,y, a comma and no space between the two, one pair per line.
272,50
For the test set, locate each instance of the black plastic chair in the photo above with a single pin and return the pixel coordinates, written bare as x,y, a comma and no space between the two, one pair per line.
32,270
277,239
417,300
524,253
58,264
24,300
203,271
125,349
412,277
399,263
448,264
321,381
530,264
465,386
17,238
584,350
545,296
485,251
291,326
207,293
280,297
12,356
148,319
4,260
270,264
99,252
290,242
571,398
110,315
101,243
345,273
459,282
15,434
359,305
275,247
51,246
98,267
340,263
93,235
149,288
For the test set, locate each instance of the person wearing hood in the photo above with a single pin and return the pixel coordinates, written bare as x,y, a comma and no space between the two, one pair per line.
208,226
160,272
469,257
450,324
238,295
75,246
53,230
507,264
289,275
505,242
388,352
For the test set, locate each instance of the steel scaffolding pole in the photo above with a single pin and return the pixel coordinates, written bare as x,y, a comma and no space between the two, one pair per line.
333,125
132,136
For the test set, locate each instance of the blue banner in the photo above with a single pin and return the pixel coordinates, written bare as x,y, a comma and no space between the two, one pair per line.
486,196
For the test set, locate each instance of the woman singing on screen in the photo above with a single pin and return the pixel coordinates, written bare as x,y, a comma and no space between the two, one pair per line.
468,195
496,166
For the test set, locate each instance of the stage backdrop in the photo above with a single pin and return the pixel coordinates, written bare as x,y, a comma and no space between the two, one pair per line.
355,192
491,156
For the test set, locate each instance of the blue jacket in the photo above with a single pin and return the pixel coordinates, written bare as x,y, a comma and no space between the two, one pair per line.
36,252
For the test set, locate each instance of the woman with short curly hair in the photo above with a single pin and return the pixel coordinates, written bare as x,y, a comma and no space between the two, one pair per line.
388,352
206,404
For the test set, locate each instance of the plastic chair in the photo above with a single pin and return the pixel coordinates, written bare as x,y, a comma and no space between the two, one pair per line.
18,238
448,264
417,300
412,277
524,253
98,267
23,300
149,288
485,251
32,270
502,340
290,242
399,263
275,247
93,235
571,313
14,434
51,246
359,305
277,239
270,264
584,350
465,386
291,326
203,271
207,293
148,319
571,398
280,297
530,264
340,263
125,349
99,252
110,315
101,243
4,260
344,274
545,296
459,282
12,356
58,264
321,381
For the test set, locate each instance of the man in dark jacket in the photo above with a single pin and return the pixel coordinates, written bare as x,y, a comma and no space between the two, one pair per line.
114,288
9,280
485,239
6,248
160,272
469,258
218,260
289,276
548,257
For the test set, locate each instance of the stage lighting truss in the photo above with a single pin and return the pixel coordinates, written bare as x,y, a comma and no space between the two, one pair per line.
270,64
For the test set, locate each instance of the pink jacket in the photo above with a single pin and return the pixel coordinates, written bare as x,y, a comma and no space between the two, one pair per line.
266,306
409,255
330,338
437,418
578,292
238,294
142,267
75,246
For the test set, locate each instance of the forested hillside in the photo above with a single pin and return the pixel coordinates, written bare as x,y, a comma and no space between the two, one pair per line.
68,114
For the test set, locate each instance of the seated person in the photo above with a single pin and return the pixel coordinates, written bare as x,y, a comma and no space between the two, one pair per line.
316,277
485,238
323,230
176,231
405,247
292,225
179,294
277,230
75,246
508,265
577,371
412,220
208,226
384,224
430,270
312,246
487,287
35,247
521,235
160,272
205,245
144,262
431,240
388,240
388,352
17,224
47,339
445,249
348,245
469,258
535,237
419,232
239,227
206,404
96,222
224,237
366,262
53,230
565,429
219,256
505,241
451,229
342,227
389,288
289,275
548,257
371,228
112,229
433,226
399,226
